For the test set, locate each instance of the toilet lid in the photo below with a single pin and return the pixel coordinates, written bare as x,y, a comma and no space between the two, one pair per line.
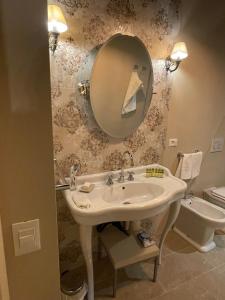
220,192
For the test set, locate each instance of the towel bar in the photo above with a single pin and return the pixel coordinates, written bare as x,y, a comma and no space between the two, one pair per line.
180,154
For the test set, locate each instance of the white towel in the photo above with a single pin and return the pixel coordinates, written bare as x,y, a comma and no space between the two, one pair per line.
189,166
130,106
82,201
184,169
134,85
196,164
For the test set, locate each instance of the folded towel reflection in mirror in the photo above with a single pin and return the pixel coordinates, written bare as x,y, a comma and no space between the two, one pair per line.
135,83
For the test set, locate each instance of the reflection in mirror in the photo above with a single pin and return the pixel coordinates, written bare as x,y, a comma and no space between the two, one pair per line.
121,85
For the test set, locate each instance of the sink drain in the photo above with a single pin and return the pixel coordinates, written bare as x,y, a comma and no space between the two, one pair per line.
126,202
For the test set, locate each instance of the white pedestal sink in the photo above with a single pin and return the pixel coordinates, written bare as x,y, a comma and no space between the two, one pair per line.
128,201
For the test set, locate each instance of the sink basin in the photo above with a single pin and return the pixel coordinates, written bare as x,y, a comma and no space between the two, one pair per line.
131,200
131,192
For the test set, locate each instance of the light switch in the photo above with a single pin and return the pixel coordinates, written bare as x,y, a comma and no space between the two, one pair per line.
217,144
26,237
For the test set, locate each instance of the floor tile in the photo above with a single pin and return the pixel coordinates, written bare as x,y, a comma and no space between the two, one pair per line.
215,257
208,286
174,243
185,265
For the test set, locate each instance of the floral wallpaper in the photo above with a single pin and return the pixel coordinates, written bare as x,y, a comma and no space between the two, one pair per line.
77,137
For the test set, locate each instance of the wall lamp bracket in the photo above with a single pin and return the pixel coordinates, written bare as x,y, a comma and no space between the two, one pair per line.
84,87
178,54
53,41
172,65
56,25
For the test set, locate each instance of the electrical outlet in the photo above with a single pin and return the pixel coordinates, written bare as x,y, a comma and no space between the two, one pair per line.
217,144
173,142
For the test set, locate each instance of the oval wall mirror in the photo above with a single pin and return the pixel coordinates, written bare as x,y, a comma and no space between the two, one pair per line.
121,85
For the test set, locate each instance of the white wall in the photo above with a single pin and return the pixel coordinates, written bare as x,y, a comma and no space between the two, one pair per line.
198,94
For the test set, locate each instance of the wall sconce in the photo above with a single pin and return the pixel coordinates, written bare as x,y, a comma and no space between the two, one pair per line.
56,25
178,54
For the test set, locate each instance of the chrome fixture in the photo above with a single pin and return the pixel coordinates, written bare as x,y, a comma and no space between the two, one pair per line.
109,180
62,187
121,175
180,154
130,176
84,87
178,54
56,25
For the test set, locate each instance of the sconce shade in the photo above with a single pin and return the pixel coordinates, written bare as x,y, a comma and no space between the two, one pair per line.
179,52
56,19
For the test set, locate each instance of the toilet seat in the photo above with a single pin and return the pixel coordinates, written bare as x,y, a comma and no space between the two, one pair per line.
219,192
215,195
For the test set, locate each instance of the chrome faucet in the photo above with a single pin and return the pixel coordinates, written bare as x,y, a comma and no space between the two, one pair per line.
121,175
109,180
130,176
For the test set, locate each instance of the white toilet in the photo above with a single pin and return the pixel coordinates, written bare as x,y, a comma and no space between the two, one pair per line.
215,196
197,221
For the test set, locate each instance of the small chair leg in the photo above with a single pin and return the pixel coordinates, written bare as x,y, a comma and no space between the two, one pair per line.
114,283
156,267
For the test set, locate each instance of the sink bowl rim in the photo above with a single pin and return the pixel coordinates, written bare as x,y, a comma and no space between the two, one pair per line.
165,199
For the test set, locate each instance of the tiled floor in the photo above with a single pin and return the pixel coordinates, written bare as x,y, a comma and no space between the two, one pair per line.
185,274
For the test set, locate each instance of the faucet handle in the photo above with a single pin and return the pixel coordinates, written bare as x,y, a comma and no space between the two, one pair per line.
130,176
109,180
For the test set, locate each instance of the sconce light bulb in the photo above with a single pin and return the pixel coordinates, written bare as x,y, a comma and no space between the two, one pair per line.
56,27
179,52
56,20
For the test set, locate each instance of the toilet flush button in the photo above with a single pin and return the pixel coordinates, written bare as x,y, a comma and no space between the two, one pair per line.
26,237
217,144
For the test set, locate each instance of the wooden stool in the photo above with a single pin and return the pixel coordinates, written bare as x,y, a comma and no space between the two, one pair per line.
125,250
